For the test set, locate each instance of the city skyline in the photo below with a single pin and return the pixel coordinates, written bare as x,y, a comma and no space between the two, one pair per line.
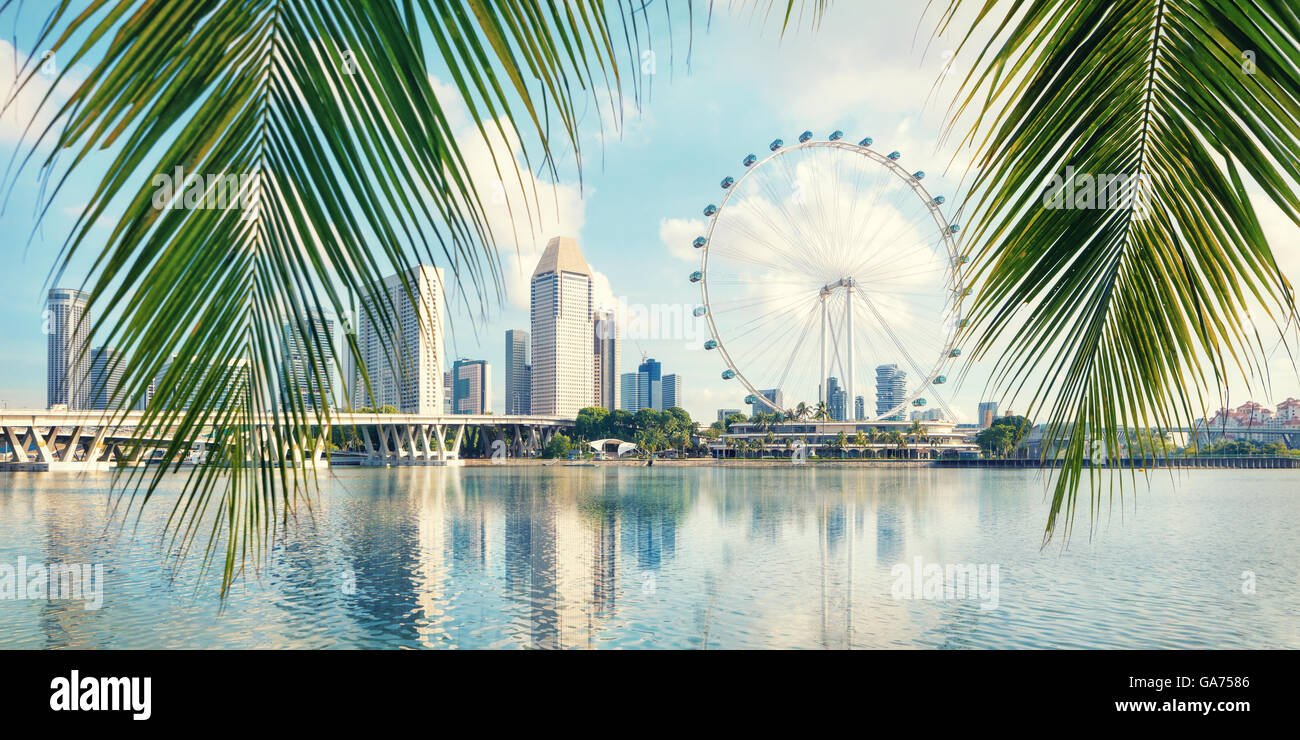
642,249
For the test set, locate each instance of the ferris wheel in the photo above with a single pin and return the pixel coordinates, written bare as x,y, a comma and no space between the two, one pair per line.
827,272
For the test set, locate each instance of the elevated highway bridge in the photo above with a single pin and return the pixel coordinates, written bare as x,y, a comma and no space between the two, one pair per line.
53,440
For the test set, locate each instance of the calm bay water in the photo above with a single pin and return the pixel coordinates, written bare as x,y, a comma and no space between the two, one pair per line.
622,557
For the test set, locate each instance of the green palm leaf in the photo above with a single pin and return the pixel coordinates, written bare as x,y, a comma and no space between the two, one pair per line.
1127,317
326,110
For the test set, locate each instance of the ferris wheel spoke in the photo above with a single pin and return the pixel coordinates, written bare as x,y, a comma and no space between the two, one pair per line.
898,344
794,353
755,323
792,255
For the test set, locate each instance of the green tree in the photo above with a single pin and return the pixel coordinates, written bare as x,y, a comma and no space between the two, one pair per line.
996,440
591,423
841,441
620,424
558,446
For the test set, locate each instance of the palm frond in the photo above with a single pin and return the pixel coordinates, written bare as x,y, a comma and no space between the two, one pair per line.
1126,315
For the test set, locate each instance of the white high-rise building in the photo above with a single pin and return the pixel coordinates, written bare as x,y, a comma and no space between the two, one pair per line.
674,394
561,311
68,359
518,390
629,397
308,367
891,390
604,361
412,382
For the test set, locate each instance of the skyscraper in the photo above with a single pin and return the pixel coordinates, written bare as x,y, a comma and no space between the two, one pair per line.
517,382
891,390
673,391
836,399
604,361
988,411
471,391
67,319
775,396
105,375
859,408
560,307
448,392
650,394
629,396
311,381
412,381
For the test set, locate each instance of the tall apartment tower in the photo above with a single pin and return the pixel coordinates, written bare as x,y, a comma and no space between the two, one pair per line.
673,391
310,381
629,396
988,411
68,359
891,390
650,392
518,359
105,376
560,306
836,399
471,387
604,360
774,395
412,381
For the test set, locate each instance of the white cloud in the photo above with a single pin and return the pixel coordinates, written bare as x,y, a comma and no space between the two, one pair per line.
24,116
677,235
522,210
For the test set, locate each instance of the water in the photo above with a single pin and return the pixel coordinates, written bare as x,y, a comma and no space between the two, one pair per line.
704,557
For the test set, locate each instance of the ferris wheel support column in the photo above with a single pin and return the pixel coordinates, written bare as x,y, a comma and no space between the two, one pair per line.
850,403
821,382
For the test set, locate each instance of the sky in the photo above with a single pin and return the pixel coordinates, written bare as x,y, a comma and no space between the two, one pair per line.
870,69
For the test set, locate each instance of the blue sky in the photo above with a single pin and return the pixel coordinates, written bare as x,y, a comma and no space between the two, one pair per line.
867,71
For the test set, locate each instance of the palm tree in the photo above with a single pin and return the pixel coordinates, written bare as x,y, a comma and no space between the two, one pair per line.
1125,313
680,438
822,412
801,411
918,432
897,439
